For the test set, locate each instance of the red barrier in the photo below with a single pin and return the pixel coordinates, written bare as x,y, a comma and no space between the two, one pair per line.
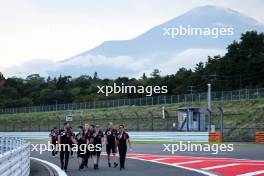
260,137
215,136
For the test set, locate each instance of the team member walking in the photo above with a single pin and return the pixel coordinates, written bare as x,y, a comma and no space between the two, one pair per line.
110,140
122,139
87,133
81,142
65,137
54,139
97,140
71,142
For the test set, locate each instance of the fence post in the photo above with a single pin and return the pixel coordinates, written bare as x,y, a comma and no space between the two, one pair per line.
209,119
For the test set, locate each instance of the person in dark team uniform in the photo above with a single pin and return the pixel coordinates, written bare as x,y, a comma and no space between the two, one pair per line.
71,142
87,133
110,140
54,139
81,142
65,137
89,140
97,140
122,138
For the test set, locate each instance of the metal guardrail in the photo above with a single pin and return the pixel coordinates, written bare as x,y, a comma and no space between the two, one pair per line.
242,94
135,136
14,157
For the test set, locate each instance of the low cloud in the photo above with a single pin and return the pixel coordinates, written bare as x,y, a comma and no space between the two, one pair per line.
111,67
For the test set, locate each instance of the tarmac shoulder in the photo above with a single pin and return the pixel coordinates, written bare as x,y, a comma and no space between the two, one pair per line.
37,168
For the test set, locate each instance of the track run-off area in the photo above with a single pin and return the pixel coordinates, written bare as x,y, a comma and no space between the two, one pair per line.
207,166
149,159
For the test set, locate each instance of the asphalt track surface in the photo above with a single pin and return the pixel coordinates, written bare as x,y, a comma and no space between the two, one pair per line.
149,159
38,169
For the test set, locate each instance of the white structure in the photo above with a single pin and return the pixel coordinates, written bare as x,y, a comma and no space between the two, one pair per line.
14,157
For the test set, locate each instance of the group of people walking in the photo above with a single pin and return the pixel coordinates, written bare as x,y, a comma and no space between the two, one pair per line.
93,139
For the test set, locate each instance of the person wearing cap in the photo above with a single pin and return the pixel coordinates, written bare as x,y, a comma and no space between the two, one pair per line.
97,139
122,139
65,138
110,140
54,139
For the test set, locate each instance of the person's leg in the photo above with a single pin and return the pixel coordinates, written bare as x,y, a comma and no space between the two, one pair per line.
62,159
124,157
94,157
120,158
85,161
80,162
53,153
67,154
54,148
71,152
114,155
108,151
98,159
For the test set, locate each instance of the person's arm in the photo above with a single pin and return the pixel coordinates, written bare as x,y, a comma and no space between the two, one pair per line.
50,134
129,142
74,140
59,139
103,141
116,142
105,138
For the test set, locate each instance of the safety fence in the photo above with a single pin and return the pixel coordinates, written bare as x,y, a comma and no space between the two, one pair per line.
149,120
242,94
14,157
134,136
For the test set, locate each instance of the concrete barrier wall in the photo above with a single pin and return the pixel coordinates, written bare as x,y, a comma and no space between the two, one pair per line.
136,136
14,157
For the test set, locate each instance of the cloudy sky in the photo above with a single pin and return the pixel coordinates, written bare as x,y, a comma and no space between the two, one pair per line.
56,30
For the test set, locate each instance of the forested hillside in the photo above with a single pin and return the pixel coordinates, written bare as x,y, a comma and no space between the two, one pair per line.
241,67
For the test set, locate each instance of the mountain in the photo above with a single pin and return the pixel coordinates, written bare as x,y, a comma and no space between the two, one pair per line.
154,42
156,49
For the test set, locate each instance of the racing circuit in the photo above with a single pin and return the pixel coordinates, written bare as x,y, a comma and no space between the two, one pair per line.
149,159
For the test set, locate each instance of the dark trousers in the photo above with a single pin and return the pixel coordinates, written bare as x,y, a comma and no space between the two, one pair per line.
64,154
122,156
54,151
87,155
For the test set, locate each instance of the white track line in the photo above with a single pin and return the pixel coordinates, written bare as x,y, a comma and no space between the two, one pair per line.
55,167
182,167
200,157
220,166
160,159
252,173
188,162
